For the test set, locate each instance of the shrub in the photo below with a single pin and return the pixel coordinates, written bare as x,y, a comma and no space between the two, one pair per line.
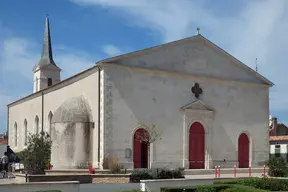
113,164
37,154
141,174
212,188
241,188
260,183
277,167
156,173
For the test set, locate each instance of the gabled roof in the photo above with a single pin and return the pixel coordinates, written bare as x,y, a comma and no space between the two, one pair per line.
197,105
237,62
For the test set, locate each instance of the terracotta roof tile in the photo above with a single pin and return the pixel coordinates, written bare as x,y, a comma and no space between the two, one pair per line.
279,138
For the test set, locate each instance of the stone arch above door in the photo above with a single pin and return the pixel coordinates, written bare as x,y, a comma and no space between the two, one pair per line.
197,111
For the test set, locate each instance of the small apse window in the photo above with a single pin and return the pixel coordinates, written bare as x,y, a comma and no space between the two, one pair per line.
49,82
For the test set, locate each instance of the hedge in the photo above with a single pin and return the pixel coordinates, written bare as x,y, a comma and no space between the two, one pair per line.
260,183
213,188
156,173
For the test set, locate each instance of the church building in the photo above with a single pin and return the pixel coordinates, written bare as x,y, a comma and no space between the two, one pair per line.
210,108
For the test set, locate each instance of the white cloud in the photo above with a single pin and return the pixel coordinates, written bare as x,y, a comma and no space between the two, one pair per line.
255,29
111,50
19,55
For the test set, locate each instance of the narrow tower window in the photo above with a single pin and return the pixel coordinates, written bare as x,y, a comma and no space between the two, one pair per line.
49,82
36,124
50,122
25,132
15,134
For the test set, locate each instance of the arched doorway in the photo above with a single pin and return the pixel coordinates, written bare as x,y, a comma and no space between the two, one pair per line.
243,151
197,146
140,149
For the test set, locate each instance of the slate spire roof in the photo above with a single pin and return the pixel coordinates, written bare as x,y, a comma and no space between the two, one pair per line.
47,56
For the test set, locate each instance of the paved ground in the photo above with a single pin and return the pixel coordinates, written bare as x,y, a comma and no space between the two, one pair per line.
222,176
129,186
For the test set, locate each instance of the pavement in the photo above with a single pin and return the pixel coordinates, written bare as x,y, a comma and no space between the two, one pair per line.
211,176
130,186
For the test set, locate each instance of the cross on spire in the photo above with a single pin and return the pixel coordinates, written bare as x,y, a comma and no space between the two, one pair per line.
198,30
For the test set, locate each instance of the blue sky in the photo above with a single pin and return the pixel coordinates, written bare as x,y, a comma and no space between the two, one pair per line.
85,31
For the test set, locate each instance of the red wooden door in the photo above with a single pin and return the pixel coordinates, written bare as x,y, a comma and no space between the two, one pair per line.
140,150
197,146
243,151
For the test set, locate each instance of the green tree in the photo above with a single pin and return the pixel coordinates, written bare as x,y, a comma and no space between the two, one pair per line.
36,156
277,167
151,135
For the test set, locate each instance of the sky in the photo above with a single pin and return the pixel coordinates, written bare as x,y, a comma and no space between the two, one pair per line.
86,31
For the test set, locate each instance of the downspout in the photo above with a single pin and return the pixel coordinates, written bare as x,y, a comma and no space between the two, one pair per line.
42,118
8,124
99,95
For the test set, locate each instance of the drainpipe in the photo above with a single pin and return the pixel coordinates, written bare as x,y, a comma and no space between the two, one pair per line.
42,126
8,123
99,95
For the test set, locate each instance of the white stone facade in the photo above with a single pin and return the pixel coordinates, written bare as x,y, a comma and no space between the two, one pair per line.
154,86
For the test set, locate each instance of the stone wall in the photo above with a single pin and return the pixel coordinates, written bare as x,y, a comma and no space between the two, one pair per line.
155,96
71,186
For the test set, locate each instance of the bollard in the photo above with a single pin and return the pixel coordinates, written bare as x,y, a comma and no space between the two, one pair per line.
249,171
234,170
142,187
215,171
264,171
26,176
218,171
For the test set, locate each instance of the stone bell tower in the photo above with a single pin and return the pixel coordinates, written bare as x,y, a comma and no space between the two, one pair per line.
46,72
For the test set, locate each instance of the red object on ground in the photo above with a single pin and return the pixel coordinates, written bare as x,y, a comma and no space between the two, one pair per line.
91,169
234,170
49,166
249,171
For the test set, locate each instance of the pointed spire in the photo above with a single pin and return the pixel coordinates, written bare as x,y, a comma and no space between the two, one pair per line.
46,57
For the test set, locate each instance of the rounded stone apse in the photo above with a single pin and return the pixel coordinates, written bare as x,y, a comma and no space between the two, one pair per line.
70,133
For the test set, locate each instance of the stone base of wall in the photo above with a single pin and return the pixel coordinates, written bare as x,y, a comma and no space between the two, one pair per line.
71,186
52,178
82,178
110,180
77,171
